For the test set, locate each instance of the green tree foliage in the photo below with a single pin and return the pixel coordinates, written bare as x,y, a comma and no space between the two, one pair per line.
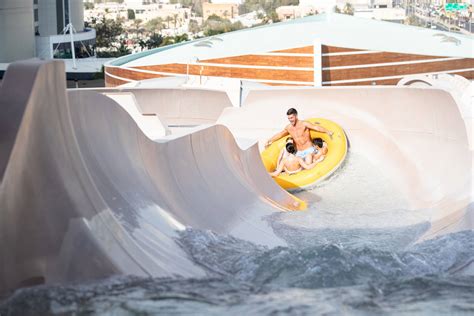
412,20
88,5
155,40
216,25
121,50
107,31
168,40
348,9
130,14
193,27
274,16
137,25
154,25
265,5
268,6
181,38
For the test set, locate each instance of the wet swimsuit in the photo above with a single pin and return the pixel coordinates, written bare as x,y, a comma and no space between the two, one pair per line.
306,152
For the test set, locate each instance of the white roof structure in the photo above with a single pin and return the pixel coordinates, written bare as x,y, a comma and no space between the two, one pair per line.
331,29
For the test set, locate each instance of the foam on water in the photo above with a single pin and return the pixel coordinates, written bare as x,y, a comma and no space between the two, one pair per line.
351,253
358,205
246,278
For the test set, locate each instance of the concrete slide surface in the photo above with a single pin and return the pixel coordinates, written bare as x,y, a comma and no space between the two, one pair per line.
85,194
87,191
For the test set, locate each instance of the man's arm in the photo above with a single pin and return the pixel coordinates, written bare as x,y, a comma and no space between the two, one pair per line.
318,128
276,137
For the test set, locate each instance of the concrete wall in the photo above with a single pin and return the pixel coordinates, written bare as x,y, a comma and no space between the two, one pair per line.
17,39
77,15
179,106
86,194
47,17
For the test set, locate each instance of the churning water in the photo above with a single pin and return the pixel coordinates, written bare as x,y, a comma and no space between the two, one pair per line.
351,253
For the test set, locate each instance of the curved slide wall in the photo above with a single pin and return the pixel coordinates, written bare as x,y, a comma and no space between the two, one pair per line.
85,194
177,106
416,136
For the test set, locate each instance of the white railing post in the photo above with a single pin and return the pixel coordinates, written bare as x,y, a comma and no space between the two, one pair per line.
317,63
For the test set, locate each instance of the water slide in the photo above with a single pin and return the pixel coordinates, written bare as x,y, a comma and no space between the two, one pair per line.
89,189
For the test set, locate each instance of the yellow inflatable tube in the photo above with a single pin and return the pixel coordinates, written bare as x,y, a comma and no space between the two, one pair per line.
337,150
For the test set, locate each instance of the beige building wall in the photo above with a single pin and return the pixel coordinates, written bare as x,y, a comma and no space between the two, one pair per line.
294,12
224,10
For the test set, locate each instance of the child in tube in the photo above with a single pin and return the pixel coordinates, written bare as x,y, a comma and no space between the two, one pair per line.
288,161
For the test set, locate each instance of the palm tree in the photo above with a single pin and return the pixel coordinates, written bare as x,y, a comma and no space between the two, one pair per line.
154,25
175,19
136,25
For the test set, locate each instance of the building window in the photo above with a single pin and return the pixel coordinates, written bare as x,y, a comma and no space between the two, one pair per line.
66,13
83,49
59,16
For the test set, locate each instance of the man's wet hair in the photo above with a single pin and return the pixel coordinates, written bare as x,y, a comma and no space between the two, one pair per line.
292,111
318,141
290,148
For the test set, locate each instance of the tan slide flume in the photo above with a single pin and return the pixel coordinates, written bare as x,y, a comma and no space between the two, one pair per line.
85,194
416,136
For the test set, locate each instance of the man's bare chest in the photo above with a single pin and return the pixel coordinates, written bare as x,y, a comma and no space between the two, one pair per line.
297,132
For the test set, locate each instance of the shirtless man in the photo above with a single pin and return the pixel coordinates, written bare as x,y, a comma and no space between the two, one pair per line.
299,131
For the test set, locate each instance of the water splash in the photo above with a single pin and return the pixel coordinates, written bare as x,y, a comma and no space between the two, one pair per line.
252,279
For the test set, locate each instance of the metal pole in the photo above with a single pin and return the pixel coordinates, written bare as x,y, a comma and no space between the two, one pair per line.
68,11
73,49
470,21
187,72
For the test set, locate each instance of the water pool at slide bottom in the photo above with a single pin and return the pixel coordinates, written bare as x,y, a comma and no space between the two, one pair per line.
351,253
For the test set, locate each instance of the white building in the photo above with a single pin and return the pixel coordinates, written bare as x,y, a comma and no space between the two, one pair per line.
293,12
389,14
51,40
328,5
163,11
36,28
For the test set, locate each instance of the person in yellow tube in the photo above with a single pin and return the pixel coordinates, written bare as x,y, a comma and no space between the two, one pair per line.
299,130
288,161
320,149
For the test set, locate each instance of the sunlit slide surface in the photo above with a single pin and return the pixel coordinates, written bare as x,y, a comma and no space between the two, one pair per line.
133,201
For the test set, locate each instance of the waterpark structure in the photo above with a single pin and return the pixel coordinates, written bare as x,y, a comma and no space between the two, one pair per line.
320,50
98,182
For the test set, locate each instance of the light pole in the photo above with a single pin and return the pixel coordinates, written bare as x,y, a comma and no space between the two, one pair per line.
192,60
